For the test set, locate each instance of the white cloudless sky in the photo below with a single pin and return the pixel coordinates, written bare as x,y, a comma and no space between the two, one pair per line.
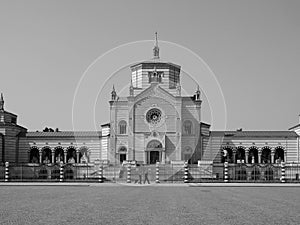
253,48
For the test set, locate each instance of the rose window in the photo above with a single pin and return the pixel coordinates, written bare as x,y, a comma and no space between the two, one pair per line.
153,116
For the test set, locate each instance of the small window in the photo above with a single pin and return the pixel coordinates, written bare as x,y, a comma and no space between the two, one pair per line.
14,120
122,127
187,127
2,118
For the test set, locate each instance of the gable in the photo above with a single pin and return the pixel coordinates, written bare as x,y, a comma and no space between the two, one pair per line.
154,90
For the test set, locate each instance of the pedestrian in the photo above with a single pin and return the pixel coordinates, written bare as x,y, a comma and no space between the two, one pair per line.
139,172
146,177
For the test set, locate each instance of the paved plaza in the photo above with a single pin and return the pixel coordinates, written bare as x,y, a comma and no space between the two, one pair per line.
148,204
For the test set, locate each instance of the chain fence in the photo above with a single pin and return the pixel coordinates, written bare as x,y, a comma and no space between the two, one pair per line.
160,173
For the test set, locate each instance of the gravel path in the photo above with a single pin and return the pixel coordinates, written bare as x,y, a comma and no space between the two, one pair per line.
149,205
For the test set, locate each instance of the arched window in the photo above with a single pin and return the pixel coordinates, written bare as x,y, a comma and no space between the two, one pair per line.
187,127
279,155
122,127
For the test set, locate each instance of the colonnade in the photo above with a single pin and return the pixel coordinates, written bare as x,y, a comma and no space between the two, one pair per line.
254,154
58,154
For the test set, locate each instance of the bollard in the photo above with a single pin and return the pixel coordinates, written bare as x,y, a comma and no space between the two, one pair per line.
61,173
186,173
6,171
282,172
226,172
157,173
129,173
100,173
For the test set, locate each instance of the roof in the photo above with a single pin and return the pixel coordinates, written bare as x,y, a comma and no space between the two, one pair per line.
6,112
65,134
157,62
279,134
205,124
294,127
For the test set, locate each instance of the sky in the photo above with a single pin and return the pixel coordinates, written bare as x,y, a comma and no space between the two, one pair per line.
252,47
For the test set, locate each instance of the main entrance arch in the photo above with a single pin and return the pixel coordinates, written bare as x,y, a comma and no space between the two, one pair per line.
154,152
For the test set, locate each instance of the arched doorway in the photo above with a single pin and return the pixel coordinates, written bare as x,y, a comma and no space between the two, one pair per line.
58,155
46,155
253,155
279,155
122,154
240,155
34,155
71,155
266,155
153,152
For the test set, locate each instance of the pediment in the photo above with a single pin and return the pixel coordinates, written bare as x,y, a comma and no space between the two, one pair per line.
155,91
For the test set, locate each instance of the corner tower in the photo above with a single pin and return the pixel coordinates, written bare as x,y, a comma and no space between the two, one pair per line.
10,137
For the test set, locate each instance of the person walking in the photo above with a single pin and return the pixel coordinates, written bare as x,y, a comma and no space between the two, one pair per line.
139,172
146,176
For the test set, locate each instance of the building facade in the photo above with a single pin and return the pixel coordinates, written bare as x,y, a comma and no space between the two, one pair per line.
154,123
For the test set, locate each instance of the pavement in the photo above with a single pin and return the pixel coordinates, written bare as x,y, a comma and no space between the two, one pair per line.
134,204
85,184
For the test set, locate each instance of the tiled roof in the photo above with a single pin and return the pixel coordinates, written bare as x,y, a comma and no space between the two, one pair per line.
280,134
65,134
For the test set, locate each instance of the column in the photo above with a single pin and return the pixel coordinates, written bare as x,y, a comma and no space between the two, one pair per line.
225,171
259,156
234,155
128,173
163,160
6,171
285,156
146,157
100,173
186,173
272,155
77,156
61,173
52,156
246,155
283,172
40,156
28,156
157,173
65,156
